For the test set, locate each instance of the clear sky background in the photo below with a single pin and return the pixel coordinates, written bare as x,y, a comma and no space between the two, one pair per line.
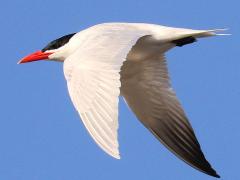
41,135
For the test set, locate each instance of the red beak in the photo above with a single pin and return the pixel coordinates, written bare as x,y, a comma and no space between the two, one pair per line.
39,55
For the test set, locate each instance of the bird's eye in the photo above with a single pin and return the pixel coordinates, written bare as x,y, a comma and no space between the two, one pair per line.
57,43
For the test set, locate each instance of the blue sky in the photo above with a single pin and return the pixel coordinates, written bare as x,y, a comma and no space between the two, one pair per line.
41,135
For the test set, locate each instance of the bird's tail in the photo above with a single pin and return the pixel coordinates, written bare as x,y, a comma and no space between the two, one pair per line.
213,32
182,33
181,37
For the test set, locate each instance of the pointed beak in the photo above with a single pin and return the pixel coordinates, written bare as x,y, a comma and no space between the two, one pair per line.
39,55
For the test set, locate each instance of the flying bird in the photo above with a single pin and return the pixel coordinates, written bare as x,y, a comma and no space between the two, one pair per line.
107,60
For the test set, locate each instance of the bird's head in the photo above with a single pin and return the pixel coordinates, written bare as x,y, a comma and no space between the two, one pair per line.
55,50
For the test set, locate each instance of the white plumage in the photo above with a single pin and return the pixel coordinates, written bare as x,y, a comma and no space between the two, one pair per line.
112,59
93,71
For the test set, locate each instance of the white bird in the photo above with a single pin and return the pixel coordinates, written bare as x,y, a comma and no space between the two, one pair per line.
112,59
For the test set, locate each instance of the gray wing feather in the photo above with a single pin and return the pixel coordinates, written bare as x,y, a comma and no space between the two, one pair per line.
147,90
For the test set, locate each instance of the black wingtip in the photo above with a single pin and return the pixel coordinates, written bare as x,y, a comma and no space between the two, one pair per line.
199,161
207,169
211,172
214,174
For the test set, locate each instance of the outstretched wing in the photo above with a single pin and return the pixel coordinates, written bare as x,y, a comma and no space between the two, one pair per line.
93,80
147,90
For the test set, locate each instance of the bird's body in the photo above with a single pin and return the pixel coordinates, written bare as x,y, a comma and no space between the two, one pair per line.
112,59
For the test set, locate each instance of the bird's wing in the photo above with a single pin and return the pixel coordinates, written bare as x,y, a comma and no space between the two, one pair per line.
147,91
93,79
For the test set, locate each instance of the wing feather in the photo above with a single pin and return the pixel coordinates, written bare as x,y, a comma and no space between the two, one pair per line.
150,96
93,79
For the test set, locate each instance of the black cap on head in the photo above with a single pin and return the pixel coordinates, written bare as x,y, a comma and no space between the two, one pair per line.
57,43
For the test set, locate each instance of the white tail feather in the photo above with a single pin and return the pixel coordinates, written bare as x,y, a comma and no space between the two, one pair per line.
215,32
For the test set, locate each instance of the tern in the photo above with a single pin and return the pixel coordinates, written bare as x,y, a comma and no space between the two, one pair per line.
109,60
